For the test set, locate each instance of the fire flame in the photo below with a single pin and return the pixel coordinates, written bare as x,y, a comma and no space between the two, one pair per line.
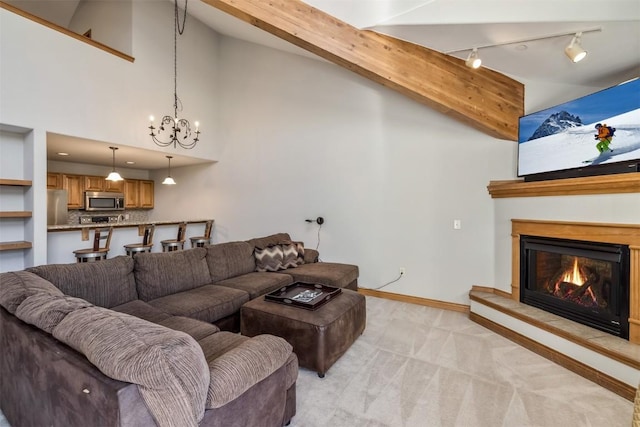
574,276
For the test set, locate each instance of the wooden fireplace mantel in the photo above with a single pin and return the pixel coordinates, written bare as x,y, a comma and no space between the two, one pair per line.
624,234
607,184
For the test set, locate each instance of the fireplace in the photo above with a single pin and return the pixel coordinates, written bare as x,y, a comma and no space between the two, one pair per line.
587,282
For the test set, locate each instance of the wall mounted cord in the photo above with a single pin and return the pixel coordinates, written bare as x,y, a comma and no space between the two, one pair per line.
319,221
318,243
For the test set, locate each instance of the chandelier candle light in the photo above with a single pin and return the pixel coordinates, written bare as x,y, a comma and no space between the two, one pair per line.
174,130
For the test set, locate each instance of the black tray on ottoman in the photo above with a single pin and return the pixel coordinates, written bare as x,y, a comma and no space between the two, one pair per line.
304,295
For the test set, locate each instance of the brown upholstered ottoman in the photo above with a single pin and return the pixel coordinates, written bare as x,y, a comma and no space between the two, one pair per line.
318,337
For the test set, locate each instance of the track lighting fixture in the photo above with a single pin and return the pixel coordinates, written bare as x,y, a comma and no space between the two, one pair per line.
473,60
574,50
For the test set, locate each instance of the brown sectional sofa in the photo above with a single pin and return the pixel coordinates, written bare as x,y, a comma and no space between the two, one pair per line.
149,341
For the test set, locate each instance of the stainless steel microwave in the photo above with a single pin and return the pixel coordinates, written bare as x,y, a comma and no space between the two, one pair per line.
102,201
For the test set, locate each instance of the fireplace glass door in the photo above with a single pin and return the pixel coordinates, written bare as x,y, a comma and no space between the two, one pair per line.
582,281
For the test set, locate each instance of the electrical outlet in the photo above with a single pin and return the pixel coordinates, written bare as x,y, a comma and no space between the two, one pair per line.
402,271
457,224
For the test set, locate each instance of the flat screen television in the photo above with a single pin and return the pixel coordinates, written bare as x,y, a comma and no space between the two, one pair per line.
597,134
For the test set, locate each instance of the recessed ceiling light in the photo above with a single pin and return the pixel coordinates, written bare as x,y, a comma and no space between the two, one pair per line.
130,162
522,47
62,154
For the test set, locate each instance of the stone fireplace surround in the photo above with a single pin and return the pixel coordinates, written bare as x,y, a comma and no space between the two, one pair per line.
610,361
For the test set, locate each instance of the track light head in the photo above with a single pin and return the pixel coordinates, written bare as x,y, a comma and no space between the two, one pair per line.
574,50
473,60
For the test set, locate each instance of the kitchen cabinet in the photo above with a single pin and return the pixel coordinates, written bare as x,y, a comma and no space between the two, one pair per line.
54,181
138,194
145,194
99,183
74,184
94,183
114,186
131,193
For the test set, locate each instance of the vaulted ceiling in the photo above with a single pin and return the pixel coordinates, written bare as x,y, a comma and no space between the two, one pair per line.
418,47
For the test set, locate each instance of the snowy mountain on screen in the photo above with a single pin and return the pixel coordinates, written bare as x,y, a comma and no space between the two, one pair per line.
557,122
574,146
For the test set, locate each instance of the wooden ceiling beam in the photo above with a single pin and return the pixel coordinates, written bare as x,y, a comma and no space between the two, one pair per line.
482,98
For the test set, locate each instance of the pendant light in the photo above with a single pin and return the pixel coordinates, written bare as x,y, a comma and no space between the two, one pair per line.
168,180
114,176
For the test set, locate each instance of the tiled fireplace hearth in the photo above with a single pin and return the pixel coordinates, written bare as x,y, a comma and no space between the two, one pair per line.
607,359
620,234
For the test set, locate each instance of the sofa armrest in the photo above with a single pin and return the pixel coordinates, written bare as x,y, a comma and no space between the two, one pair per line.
311,256
240,368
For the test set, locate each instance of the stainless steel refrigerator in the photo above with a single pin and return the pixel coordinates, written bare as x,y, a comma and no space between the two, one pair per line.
57,207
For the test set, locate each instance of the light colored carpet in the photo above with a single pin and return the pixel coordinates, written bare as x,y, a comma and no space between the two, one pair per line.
423,367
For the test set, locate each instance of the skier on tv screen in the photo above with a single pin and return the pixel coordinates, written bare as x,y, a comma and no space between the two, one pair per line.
604,137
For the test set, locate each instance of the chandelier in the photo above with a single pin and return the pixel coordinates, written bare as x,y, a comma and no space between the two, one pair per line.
174,130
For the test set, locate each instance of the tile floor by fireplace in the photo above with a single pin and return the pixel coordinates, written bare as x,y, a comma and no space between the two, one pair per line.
421,366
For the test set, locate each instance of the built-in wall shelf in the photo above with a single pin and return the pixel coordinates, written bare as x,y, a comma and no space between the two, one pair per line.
15,214
14,246
604,184
16,182
18,244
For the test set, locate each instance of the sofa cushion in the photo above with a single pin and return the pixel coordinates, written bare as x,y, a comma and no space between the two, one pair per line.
256,284
327,273
45,311
208,303
274,239
240,368
106,283
230,259
196,328
168,366
164,273
270,258
143,310
310,256
16,286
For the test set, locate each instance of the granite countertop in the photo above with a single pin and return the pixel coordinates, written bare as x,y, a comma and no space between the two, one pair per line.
121,224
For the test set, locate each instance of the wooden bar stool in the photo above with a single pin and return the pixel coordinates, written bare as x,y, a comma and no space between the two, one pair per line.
97,252
176,244
147,242
200,241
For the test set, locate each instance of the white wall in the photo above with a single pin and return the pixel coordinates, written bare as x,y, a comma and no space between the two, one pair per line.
301,138
110,22
50,82
53,82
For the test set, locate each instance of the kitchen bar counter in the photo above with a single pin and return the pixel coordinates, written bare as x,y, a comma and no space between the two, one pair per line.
121,224
62,240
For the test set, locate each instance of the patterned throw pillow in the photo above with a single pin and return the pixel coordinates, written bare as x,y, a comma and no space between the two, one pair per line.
290,256
269,258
